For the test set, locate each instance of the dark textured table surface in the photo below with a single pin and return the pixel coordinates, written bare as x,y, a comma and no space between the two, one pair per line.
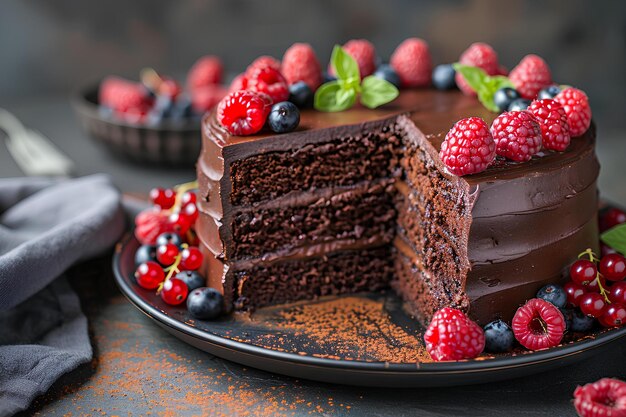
140,369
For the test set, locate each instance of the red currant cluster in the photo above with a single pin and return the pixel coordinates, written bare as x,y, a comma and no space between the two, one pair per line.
590,291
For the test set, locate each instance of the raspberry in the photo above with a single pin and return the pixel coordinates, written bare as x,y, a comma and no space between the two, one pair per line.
530,75
469,147
553,121
240,82
478,55
301,64
603,398
243,112
452,336
538,325
517,135
262,62
149,224
124,96
206,71
269,81
363,53
576,105
205,98
412,61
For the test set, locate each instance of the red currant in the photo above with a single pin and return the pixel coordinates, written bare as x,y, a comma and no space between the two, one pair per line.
174,291
612,218
191,211
583,271
613,267
166,254
149,275
594,286
617,293
592,304
180,222
188,197
574,292
191,258
163,197
614,316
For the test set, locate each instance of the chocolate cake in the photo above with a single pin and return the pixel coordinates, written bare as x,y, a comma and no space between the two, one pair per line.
360,201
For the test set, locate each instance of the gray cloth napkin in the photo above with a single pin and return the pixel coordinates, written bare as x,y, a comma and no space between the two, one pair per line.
46,225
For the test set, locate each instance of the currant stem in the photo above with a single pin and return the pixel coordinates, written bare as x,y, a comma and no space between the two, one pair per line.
171,270
588,252
180,190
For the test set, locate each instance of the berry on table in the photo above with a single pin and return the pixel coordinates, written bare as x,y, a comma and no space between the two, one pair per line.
614,316
300,64
192,279
174,291
478,55
613,267
548,92
149,275
583,271
519,104
166,254
451,336
206,71
554,294
205,303
191,258
530,76
169,237
269,81
498,337
145,253
412,62
611,218
553,121
592,304
163,197
538,325
603,398
387,73
363,53
243,112
443,77
517,135
504,97
576,105
301,95
581,322
574,292
150,223
284,117
468,147
617,293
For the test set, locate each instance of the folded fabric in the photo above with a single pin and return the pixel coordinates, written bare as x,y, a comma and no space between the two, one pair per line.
46,225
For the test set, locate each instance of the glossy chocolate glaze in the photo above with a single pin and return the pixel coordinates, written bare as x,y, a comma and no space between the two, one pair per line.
528,220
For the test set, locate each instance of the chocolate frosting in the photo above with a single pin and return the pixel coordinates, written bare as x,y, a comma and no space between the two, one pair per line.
527,219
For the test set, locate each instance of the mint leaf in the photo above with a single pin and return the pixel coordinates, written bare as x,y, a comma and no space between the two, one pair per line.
474,76
344,65
331,97
615,237
376,92
484,85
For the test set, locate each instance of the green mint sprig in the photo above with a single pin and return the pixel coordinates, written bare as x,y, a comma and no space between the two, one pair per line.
341,94
484,85
615,237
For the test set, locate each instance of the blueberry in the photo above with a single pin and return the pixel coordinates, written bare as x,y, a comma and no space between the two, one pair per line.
328,78
504,97
568,315
284,117
105,112
169,237
205,303
443,77
182,108
549,92
301,95
385,72
498,337
519,104
554,294
145,253
192,278
581,322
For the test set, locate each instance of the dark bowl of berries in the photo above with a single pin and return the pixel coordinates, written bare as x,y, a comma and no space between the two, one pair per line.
154,120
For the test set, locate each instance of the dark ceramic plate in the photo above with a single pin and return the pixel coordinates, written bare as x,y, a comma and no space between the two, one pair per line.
268,340
170,143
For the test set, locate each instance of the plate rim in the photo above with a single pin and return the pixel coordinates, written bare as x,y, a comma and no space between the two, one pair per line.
421,368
